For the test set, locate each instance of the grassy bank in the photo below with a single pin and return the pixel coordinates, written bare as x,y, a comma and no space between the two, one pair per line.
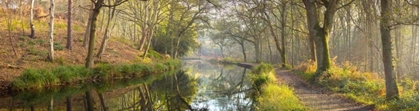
36,97
363,87
271,95
67,75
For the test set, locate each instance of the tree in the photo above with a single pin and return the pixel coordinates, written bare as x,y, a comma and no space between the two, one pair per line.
51,32
92,35
69,37
9,28
390,79
321,34
32,19
88,25
111,14
266,18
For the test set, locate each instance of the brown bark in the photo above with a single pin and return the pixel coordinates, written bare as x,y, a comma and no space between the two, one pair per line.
273,34
69,28
107,32
283,34
321,34
390,82
88,28
92,35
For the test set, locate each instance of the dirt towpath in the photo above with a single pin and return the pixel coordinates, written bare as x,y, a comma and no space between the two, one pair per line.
315,98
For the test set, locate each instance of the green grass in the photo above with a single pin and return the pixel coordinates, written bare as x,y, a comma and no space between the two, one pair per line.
58,46
273,96
36,97
33,51
363,87
153,54
64,75
278,98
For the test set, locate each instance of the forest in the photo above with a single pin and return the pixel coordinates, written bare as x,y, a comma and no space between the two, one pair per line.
365,51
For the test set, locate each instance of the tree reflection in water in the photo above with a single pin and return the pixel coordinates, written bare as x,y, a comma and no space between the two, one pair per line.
201,86
221,87
170,93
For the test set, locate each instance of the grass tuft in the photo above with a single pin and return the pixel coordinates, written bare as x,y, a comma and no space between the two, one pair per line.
273,96
279,98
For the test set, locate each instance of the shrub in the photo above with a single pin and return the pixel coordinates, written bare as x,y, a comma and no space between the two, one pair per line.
105,71
65,74
153,54
306,70
263,73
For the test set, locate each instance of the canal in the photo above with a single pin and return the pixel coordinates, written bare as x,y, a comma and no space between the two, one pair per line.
199,85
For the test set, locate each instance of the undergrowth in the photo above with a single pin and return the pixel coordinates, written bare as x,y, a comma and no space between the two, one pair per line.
65,75
273,96
363,87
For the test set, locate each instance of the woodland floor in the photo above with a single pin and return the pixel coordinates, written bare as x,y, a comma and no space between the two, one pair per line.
32,52
318,98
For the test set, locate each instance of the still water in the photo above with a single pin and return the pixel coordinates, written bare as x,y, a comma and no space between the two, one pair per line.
200,85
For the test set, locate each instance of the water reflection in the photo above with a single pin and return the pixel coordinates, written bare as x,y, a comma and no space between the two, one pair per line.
200,86
221,88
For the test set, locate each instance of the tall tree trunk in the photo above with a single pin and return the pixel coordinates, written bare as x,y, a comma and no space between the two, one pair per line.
321,34
151,32
9,29
144,27
21,17
257,51
283,34
292,33
51,32
270,57
369,33
32,20
88,27
96,11
312,49
243,50
273,34
152,25
390,82
107,32
397,38
69,28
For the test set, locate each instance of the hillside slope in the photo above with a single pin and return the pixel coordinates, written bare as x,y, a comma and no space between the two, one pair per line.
32,53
